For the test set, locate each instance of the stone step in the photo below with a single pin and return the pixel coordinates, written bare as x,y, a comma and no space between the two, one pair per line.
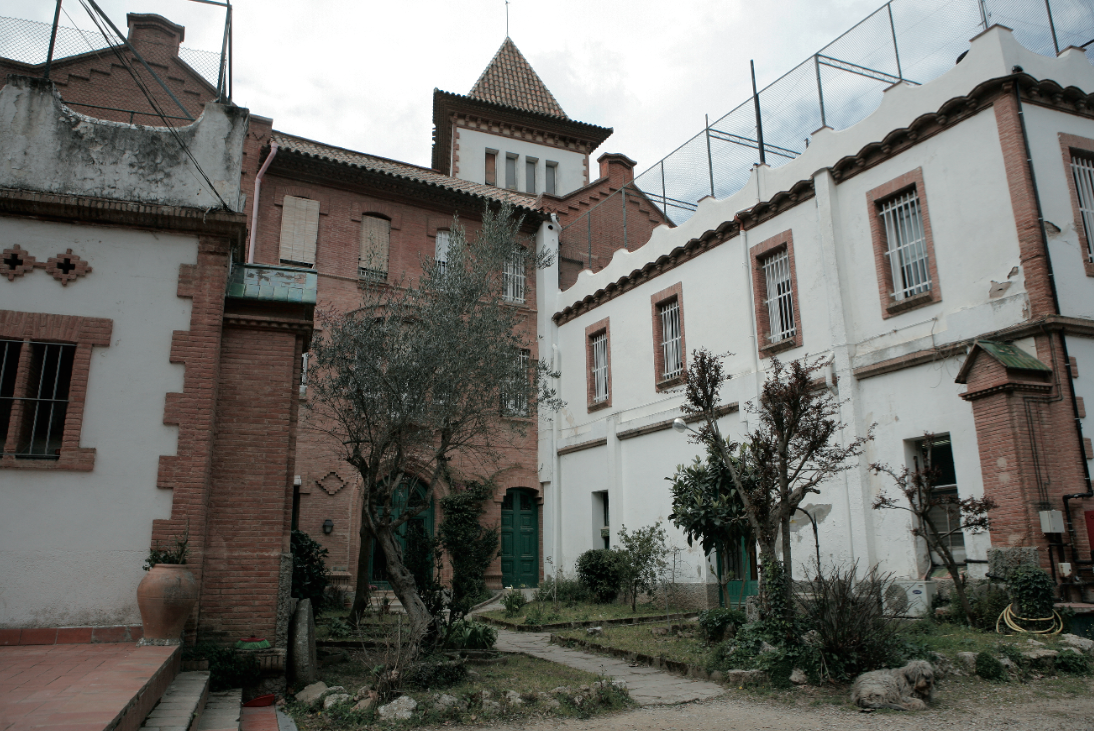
222,711
180,707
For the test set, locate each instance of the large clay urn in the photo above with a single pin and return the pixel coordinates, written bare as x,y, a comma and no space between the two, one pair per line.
165,597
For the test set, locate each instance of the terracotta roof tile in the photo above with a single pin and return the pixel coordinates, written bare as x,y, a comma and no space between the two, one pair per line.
510,80
397,169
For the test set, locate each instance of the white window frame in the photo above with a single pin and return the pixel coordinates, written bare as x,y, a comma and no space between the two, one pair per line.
1082,168
551,179
780,296
513,277
906,238
599,346
444,240
671,339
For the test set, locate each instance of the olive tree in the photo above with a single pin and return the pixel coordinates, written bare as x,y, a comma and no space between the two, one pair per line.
420,375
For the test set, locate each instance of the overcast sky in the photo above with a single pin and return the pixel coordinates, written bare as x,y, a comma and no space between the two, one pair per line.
361,74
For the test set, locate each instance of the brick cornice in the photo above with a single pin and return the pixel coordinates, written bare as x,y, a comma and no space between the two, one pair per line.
591,444
257,322
1007,387
88,210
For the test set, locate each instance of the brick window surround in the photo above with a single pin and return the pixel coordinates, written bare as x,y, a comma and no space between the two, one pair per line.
657,301
875,199
83,332
1069,145
602,327
759,253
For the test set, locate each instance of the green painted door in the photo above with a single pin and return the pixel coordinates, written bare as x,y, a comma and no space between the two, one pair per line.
741,568
519,538
421,527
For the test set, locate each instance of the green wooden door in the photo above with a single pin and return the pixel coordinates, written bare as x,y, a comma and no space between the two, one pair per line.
741,565
420,526
519,538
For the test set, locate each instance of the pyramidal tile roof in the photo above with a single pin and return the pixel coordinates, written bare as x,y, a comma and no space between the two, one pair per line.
510,80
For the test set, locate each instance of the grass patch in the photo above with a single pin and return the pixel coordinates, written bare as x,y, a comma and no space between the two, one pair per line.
685,646
549,612
525,675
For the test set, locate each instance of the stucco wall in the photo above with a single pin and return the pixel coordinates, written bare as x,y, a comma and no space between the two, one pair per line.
72,543
53,149
472,162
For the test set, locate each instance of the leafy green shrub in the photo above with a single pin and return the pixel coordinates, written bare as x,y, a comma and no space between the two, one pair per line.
642,558
854,631
228,667
716,622
1033,591
309,571
338,628
513,601
1073,663
537,615
567,590
1012,653
435,671
465,634
471,548
600,571
988,668
175,556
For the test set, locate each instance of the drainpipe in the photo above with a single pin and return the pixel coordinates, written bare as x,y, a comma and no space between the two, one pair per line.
254,207
1077,581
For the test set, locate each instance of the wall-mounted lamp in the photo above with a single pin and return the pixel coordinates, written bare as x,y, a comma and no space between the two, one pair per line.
681,426
328,526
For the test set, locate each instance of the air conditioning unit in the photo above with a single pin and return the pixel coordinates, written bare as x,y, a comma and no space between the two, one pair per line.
909,598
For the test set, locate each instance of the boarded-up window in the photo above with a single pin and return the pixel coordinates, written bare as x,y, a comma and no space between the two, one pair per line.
511,172
375,242
299,228
491,167
552,173
530,174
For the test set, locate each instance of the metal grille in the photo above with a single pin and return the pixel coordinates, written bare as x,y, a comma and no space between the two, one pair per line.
34,385
907,245
516,403
513,279
1083,168
600,367
670,339
780,297
442,250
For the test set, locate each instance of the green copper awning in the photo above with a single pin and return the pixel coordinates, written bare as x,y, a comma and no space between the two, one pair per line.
273,283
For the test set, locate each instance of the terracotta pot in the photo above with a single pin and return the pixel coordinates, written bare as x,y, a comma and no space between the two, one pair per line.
165,597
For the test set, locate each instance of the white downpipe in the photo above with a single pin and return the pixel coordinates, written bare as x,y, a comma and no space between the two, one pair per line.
254,205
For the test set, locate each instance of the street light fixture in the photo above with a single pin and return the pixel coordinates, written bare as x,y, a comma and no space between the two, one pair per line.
681,426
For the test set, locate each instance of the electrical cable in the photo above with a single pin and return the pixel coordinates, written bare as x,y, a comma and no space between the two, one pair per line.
153,103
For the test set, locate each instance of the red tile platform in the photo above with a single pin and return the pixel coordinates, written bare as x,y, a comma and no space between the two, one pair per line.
258,719
93,687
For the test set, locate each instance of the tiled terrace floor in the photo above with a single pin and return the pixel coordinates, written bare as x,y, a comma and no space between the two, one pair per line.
79,687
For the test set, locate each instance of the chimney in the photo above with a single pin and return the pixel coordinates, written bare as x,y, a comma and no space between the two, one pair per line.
617,163
154,36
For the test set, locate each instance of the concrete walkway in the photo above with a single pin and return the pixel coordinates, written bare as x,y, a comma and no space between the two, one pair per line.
647,686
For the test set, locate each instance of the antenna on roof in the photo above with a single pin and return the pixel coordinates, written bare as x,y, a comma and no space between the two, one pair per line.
506,18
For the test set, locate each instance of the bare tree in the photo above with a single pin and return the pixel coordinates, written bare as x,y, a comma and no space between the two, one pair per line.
921,499
422,374
786,457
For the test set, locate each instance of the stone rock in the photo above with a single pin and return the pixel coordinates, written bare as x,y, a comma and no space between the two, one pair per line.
765,647
400,709
619,684
967,660
594,631
1039,658
489,707
944,667
362,692
812,637
333,699
717,676
798,677
584,689
659,631
1080,643
552,704
1035,643
311,693
364,704
579,700
741,678
302,658
562,689
487,695
446,701
513,698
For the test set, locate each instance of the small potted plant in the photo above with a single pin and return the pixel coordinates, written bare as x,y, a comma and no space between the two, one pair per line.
167,593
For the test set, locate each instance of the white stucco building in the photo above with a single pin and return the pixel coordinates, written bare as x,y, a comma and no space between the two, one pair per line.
799,262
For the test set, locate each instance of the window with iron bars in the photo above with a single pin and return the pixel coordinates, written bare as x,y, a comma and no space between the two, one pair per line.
600,367
671,351
780,297
441,256
907,245
1082,167
34,390
513,279
516,401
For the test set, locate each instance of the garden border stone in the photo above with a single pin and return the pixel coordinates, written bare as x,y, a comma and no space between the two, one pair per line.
661,663
577,624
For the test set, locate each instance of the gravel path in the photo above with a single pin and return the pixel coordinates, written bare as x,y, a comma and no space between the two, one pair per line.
647,686
730,712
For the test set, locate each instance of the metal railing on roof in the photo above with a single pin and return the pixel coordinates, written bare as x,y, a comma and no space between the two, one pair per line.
913,41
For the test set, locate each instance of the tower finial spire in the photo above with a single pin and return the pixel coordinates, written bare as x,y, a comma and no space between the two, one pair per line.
506,18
